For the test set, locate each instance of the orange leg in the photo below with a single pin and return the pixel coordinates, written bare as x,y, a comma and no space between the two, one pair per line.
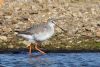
30,50
36,47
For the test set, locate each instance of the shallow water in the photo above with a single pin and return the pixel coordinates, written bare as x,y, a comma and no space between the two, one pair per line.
51,60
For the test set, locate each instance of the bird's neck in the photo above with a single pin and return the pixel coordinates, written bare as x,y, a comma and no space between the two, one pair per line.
51,24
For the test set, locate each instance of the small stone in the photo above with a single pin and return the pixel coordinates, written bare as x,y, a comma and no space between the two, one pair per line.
98,34
68,46
70,41
97,40
57,47
79,42
7,29
26,43
8,17
10,46
89,34
3,38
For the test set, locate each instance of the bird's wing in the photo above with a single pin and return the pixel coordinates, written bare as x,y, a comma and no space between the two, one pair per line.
35,29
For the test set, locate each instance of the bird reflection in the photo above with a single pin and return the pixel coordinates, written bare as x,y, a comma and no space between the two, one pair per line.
36,56
38,60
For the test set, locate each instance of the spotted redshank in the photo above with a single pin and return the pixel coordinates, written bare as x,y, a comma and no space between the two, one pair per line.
38,33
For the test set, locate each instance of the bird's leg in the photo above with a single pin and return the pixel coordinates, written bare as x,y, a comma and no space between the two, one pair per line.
36,47
30,49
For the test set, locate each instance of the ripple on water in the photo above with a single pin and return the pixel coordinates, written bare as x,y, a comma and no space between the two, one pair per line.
51,60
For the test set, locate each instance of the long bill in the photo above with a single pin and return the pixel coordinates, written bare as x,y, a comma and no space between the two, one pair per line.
60,28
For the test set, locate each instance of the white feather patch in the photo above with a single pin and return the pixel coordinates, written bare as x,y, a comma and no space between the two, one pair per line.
30,37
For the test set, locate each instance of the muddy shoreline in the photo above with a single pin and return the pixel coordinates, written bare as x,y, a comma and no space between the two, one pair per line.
80,19
24,50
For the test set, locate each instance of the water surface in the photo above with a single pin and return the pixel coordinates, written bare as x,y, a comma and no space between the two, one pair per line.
51,60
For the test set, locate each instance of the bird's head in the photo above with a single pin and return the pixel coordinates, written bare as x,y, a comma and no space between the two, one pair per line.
52,21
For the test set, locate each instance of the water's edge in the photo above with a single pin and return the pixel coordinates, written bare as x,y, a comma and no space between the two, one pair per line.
48,51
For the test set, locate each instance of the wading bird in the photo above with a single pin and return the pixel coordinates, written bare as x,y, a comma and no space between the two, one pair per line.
38,33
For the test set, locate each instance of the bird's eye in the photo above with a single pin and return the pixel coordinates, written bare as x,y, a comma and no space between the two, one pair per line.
53,22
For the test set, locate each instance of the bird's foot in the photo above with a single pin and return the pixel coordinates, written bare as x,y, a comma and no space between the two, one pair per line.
31,55
42,52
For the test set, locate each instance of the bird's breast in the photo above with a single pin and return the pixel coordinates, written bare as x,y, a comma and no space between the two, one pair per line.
44,35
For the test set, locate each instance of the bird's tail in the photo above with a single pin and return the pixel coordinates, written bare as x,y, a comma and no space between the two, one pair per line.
19,33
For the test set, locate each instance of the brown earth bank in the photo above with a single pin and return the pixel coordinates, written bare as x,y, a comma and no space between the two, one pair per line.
24,50
79,18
